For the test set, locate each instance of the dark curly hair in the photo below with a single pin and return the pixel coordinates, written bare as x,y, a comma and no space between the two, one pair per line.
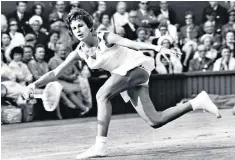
79,14
18,50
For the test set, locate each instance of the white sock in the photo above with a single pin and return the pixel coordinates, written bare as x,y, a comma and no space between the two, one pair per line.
101,141
194,102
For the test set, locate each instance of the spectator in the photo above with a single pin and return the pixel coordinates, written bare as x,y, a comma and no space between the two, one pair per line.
30,39
105,23
65,35
146,16
163,30
58,13
38,9
231,23
142,37
38,66
69,79
167,12
202,63
28,54
209,29
229,39
211,53
120,17
211,17
101,8
172,64
131,27
171,29
190,30
231,5
51,45
35,23
221,13
21,16
6,40
23,75
4,23
17,38
226,62
74,5
6,72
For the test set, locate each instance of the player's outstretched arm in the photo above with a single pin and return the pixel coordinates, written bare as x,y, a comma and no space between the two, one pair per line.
55,73
116,39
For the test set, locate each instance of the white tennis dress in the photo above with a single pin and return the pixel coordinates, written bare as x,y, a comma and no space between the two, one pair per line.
115,59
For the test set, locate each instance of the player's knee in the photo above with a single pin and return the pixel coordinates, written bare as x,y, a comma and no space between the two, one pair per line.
157,122
102,97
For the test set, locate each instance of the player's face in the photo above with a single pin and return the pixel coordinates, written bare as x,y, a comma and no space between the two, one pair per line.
80,29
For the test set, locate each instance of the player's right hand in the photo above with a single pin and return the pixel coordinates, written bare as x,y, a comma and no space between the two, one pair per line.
28,91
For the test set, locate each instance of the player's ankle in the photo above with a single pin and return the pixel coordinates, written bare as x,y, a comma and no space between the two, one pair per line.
101,140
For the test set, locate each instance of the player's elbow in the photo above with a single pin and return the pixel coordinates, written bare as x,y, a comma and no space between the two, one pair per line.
54,75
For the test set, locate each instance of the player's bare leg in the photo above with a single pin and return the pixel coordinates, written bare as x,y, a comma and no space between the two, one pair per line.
142,103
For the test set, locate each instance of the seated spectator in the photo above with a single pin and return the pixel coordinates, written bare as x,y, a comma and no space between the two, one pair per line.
226,62
17,38
211,53
172,64
146,16
231,23
21,16
28,54
221,12
105,24
209,29
51,45
69,79
190,30
74,5
23,75
163,30
120,17
171,29
211,17
202,63
164,10
38,66
4,23
65,35
229,41
58,13
101,8
142,37
38,9
6,71
35,23
131,27
5,41
30,39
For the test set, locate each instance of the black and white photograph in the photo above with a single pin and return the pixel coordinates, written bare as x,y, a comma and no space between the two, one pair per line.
117,80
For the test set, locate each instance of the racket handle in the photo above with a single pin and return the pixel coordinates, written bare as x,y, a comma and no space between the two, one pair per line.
35,96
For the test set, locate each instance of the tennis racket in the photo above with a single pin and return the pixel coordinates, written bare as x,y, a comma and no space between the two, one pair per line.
50,96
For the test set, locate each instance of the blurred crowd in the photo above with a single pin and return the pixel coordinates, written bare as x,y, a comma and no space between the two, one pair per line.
33,43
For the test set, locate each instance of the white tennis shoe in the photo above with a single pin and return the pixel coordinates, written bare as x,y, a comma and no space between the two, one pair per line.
203,102
94,151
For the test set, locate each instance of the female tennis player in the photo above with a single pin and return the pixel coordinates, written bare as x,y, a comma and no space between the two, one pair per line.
130,70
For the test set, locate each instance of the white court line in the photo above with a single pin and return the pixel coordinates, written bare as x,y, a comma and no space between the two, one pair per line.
162,143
